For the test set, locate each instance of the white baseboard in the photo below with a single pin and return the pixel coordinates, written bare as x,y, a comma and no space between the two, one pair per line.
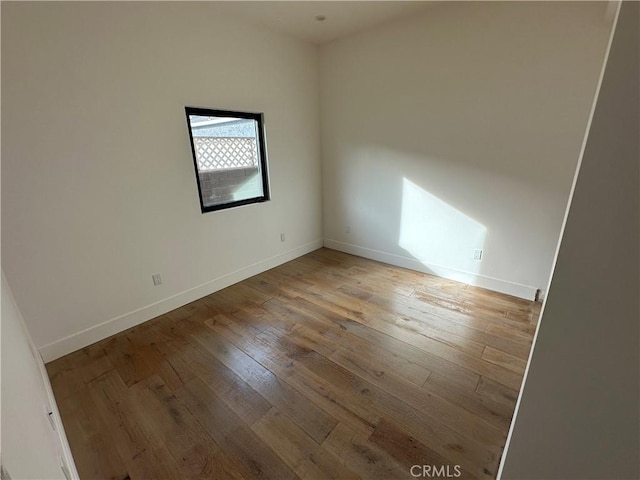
497,285
115,325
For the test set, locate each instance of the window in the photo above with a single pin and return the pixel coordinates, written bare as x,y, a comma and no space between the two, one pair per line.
229,156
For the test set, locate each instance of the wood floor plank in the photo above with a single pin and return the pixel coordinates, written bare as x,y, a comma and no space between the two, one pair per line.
192,448
64,375
141,449
514,332
403,359
366,457
293,445
316,390
111,397
252,457
384,292
427,428
132,362
465,343
94,452
510,362
369,279
330,366
326,395
312,420
386,324
497,392
512,344
303,455
235,392
226,468
255,318
458,419
407,358
461,312
72,372
410,452
498,413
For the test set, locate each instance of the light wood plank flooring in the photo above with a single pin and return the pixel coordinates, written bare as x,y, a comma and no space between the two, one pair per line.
328,367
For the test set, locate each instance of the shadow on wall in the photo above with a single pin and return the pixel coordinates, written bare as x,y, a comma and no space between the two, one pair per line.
438,235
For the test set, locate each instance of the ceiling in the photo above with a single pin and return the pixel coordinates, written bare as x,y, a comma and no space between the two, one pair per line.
298,18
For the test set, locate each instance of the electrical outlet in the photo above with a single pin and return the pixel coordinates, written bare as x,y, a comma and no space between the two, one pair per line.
157,279
347,229
282,237
477,254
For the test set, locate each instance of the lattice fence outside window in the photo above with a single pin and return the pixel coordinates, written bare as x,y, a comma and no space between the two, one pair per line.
229,157
225,153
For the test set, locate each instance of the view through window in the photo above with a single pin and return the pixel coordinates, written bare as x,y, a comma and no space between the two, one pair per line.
229,157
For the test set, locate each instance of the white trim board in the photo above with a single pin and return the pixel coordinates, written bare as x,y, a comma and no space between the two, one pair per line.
497,285
115,325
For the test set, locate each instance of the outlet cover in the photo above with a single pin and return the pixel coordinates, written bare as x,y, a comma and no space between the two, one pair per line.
477,254
157,279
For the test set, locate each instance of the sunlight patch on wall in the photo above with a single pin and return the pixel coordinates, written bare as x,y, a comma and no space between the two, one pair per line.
442,238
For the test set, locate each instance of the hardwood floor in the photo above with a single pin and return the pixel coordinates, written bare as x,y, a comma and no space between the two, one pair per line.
328,367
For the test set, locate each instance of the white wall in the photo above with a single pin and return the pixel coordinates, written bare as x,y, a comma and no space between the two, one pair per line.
31,449
578,417
458,129
98,188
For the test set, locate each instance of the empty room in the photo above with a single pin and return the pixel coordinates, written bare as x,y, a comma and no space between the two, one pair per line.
319,240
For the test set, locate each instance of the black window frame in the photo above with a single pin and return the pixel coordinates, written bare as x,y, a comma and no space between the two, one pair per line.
262,155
